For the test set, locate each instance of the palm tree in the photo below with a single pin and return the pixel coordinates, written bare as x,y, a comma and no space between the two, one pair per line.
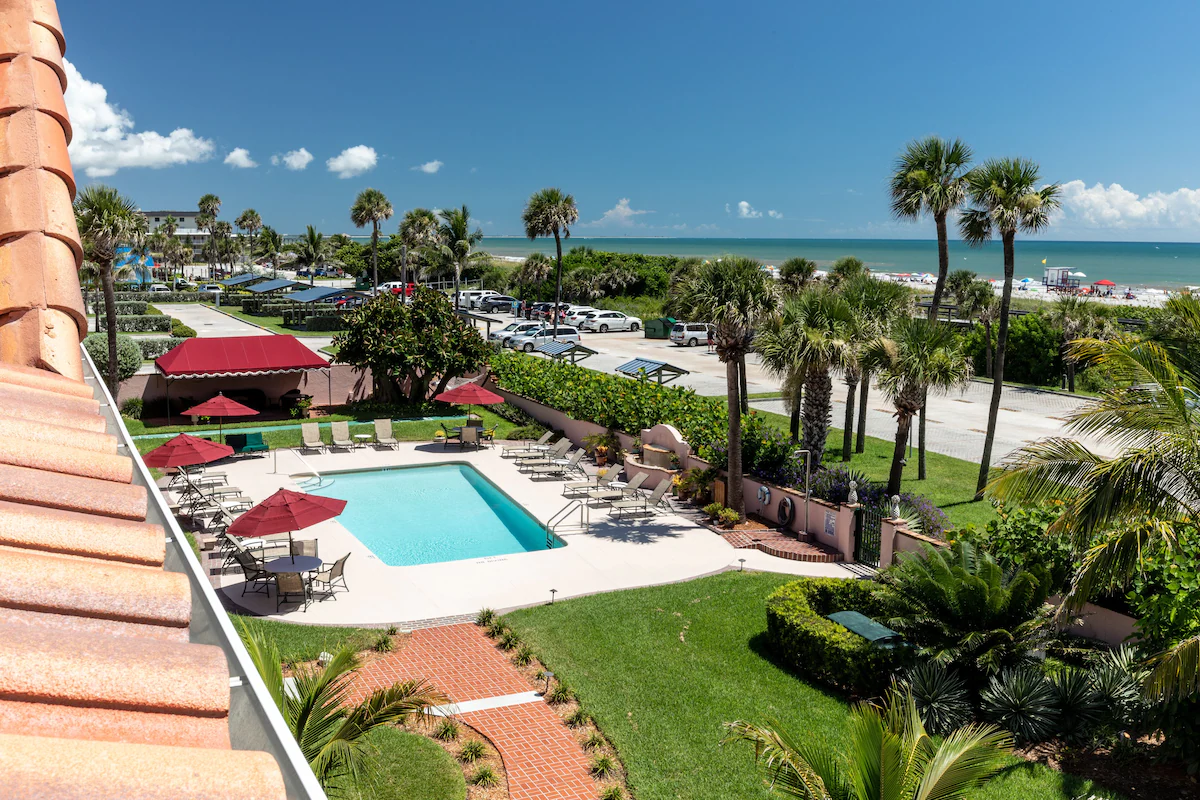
802,344
533,272
551,213
221,241
176,255
209,207
250,222
958,282
311,251
270,247
371,207
978,301
1076,318
844,269
106,219
332,734
418,230
931,177
1005,199
919,357
733,295
456,243
797,273
876,305
890,756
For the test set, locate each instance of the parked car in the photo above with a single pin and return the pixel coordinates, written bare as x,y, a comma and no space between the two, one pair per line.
513,329
159,287
398,287
497,302
215,288
470,298
689,333
578,314
606,321
530,340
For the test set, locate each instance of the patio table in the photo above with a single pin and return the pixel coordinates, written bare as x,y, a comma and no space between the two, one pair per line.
293,564
363,438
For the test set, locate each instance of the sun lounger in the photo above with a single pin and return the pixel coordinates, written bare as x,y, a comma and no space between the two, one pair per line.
618,492
559,450
383,434
246,443
527,447
341,436
641,505
594,482
310,433
561,466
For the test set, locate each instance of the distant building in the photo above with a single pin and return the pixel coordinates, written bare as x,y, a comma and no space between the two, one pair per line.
186,229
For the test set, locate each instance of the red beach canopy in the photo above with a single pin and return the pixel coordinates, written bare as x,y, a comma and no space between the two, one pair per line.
284,512
238,355
470,394
185,451
220,406
1105,282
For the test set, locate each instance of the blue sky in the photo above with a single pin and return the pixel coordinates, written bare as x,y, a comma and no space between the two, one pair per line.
661,118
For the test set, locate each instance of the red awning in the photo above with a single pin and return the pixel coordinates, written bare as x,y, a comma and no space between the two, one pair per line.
238,355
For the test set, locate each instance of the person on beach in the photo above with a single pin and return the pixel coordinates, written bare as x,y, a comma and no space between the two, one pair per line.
711,343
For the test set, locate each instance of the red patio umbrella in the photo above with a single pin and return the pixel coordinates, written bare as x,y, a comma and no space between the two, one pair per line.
284,512
185,451
470,394
220,407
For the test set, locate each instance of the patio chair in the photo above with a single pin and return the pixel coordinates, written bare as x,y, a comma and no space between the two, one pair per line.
305,547
528,446
470,435
310,434
487,436
331,577
561,466
253,571
383,434
341,436
643,505
290,584
594,482
618,492
559,450
452,436
254,443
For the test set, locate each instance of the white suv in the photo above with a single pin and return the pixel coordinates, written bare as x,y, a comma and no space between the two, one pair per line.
530,340
578,314
513,329
605,321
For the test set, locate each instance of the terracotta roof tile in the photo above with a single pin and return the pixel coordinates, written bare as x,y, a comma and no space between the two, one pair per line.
14,406
73,533
110,725
67,460
26,82
16,375
57,434
72,493
47,277
68,624
46,400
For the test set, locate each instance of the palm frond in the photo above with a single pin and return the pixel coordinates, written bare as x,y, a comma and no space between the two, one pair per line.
1176,671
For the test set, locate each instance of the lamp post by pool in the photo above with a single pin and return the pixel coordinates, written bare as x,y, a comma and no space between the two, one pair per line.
552,593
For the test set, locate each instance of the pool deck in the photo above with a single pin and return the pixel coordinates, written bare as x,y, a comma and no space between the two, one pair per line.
609,555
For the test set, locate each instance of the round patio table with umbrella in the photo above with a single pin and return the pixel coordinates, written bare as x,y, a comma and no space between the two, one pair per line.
186,451
284,512
220,407
470,394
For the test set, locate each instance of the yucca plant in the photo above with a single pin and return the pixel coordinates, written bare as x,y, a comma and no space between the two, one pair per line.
940,696
471,751
1079,706
1021,701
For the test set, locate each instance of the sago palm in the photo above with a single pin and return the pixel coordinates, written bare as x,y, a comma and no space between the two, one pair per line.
332,734
371,207
889,756
930,177
455,246
106,219
918,358
251,223
810,337
733,294
1007,198
551,213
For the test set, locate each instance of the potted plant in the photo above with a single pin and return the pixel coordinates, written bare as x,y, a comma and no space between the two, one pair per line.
304,407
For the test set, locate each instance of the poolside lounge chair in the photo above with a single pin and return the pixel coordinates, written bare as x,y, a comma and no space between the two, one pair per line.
310,433
253,571
247,443
305,547
527,447
594,482
559,450
641,505
383,434
341,436
470,435
561,466
331,577
618,492
290,584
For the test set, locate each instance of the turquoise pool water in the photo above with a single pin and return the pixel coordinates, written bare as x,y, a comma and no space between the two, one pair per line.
423,515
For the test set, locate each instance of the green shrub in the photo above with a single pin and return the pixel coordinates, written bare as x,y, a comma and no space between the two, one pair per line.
181,331
133,307
514,414
496,628
727,516
533,431
509,640
713,510
577,718
154,347
602,766
132,408
1022,702
129,355
1079,706
324,323
485,617
524,656
940,696
130,323
593,741
560,694
819,648
613,793
471,751
485,777
167,297
383,644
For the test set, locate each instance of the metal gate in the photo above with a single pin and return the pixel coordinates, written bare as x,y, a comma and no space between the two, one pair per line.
868,534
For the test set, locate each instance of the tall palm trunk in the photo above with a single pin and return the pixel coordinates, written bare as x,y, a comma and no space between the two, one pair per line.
818,399
987,330
943,265
998,368
374,253
557,278
110,322
921,440
852,380
745,394
860,442
903,426
733,496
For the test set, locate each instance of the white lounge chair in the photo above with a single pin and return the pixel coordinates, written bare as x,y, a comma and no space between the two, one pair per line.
594,482
618,492
383,434
561,466
341,436
641,505
528,447
310,434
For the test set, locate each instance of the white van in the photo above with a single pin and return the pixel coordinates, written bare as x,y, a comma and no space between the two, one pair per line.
471,298
159,287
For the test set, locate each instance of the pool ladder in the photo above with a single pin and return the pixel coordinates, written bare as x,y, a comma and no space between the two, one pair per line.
561,522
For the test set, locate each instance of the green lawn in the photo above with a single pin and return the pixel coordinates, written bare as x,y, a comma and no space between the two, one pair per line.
306,642
270,323
661,668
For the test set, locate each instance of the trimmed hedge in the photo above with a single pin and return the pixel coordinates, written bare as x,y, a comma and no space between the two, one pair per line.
131,307
819,648
324,323
152,348
181,331
130,323
167,297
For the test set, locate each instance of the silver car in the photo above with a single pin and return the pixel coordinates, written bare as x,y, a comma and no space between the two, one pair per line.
513,329
532,339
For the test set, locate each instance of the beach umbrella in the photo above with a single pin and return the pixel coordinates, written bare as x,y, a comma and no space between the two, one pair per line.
1104,282
186,451
470,394
220,407
1077,274
1026,280
285,512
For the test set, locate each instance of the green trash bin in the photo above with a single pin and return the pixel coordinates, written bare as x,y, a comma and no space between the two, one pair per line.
659,328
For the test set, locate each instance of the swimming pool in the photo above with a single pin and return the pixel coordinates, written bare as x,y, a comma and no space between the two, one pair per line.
423,515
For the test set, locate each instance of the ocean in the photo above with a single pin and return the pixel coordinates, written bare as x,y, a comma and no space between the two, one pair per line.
1136,264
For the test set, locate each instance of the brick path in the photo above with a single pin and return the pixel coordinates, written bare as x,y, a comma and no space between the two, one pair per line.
781,545
541,755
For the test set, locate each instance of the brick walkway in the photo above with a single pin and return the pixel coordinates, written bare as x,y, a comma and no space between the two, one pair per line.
541,755
780,545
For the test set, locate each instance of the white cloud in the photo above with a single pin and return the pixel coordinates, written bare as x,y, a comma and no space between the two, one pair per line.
474,170
240,157
621,214
353,161
773,214
746,211
429,167
728,209
104,137
1114,206
294,160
